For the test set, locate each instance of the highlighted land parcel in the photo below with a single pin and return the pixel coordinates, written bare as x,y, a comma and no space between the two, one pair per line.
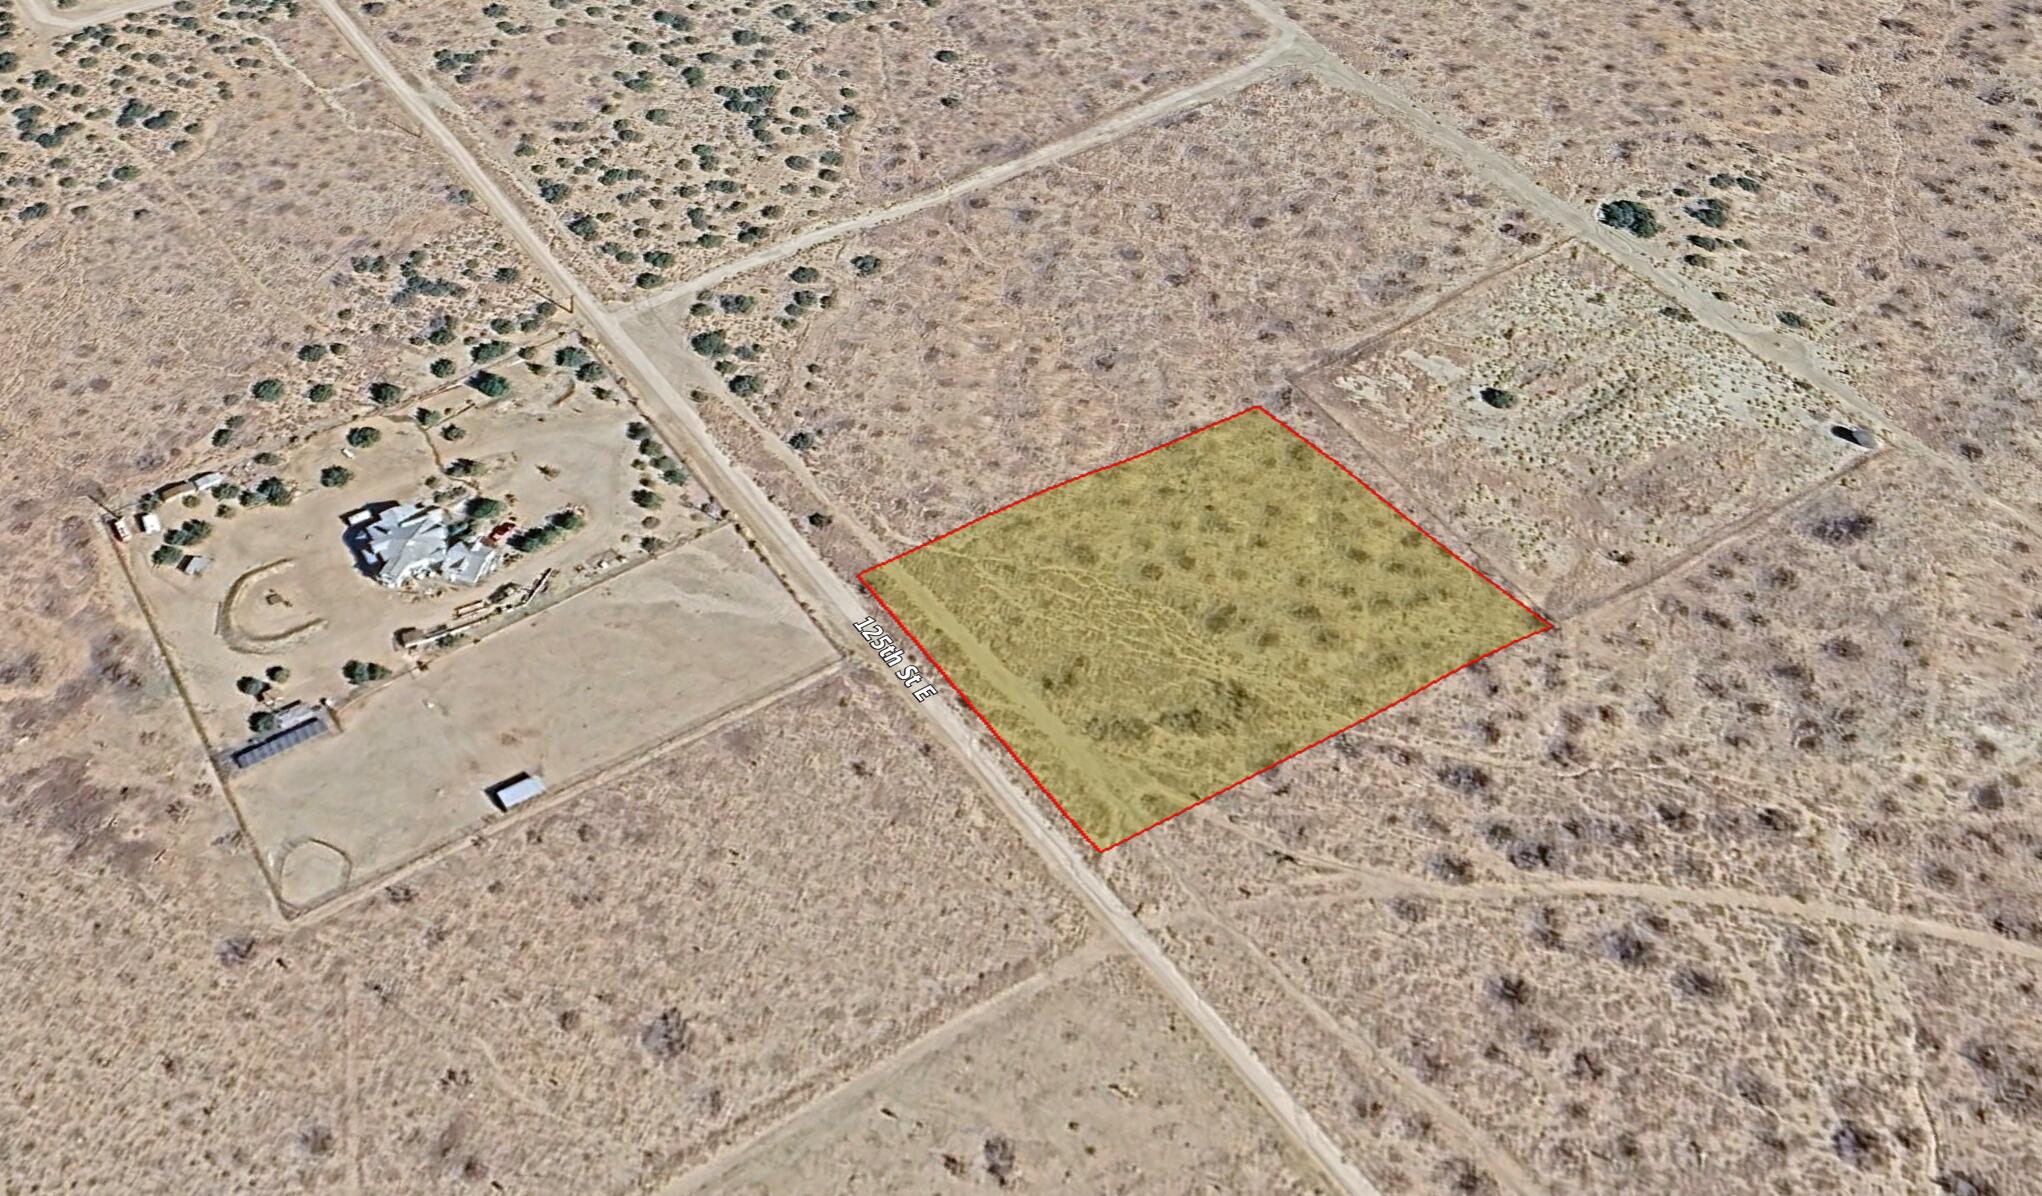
1150,634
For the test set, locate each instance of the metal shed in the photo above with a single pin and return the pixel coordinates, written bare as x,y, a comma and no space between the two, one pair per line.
515,791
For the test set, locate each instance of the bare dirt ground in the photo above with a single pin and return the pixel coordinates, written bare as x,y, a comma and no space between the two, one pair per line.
676,641
1577,427
1082,1083
238,259
555,1014
663,140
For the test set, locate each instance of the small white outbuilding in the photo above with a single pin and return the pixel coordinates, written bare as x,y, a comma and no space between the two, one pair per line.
516,791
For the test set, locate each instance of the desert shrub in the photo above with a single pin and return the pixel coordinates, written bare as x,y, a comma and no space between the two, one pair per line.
1711,211
1629,215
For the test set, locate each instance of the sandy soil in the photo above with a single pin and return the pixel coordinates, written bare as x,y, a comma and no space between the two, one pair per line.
1584,432
1060,320
580,686
1084,1084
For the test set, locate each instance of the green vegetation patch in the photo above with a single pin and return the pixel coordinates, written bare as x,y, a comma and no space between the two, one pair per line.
1151,634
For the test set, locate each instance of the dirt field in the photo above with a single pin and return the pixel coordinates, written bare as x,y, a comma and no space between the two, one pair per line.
1577,428
224,273
483,1019
664,141
1148,635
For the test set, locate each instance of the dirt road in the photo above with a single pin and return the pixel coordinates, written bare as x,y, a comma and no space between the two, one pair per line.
831,598
1279,53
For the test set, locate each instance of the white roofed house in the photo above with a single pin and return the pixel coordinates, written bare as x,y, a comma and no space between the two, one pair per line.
406,542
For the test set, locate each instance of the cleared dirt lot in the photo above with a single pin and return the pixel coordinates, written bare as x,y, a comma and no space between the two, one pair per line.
663,140
1578,429
1876,168
579,686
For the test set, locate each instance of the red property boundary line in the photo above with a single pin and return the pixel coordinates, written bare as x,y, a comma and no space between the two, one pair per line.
1545,624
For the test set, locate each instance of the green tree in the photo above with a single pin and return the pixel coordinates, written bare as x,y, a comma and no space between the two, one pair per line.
361,672
335,476
649,499
277,673
363,436
382,394
262,722
166,554
490,384
484,509
268,390
1629,215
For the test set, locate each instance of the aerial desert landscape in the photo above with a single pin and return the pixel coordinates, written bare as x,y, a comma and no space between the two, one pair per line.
893,596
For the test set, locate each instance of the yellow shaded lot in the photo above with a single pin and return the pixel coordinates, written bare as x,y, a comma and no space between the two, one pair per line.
1148,635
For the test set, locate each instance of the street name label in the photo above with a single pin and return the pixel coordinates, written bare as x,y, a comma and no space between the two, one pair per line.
893,657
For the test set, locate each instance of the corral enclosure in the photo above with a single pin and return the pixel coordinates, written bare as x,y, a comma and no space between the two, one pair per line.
584,684
1150,634
612,568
